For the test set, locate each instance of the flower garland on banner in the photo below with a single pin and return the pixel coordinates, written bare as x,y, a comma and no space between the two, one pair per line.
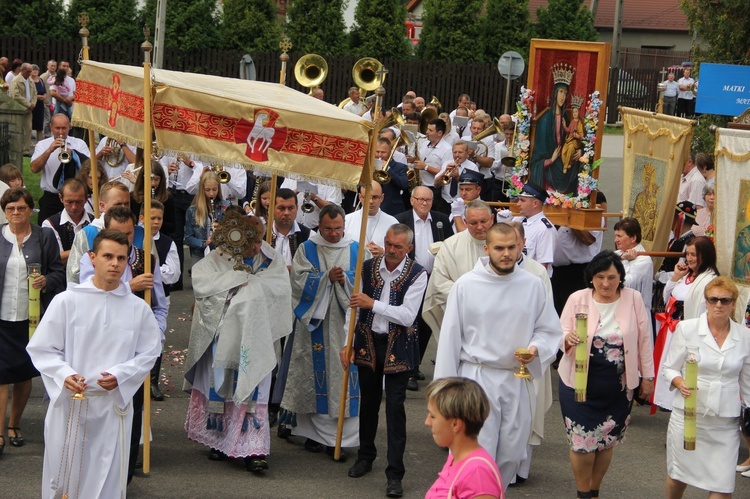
522,118
586,182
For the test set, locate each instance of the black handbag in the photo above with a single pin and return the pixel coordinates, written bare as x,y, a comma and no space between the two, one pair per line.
745,421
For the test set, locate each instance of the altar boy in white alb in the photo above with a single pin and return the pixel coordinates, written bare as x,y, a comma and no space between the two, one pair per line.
99,339
492,311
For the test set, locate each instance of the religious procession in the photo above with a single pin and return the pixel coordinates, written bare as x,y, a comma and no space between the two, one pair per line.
226,277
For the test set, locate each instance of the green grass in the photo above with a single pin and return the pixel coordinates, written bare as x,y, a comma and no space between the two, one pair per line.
31,182
613,130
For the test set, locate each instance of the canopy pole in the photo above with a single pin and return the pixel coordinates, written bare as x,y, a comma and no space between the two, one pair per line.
285,45
146,47
83,20
366,182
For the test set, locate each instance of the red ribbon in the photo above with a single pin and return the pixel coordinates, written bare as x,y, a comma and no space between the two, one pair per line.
668,325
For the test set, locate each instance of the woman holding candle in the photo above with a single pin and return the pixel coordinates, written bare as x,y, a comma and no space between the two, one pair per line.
619,347
722,350
21,244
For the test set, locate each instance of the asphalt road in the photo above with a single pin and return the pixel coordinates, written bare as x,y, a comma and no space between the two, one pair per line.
180,468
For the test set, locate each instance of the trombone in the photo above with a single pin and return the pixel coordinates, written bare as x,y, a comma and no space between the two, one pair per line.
311,71
509,161
116,155
64,156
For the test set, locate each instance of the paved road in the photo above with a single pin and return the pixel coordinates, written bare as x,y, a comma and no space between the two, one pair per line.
180,467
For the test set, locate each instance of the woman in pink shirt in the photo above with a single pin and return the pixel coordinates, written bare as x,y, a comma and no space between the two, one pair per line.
456,411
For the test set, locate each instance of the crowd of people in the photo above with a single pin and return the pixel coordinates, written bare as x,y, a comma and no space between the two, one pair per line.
440,262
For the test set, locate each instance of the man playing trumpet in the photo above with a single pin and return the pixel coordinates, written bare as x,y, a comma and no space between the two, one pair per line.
447,179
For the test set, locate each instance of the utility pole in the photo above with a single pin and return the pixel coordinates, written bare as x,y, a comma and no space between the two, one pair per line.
594,7
161,18
617,35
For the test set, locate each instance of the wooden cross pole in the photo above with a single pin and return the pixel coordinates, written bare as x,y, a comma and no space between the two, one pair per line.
661,87
366,183
83,20
146,47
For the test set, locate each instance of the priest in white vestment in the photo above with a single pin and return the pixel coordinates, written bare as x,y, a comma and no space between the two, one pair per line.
322,276
99,339
378,221
492,311
457,256
242,306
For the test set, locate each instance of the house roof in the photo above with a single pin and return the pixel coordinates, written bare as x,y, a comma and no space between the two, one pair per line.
663,15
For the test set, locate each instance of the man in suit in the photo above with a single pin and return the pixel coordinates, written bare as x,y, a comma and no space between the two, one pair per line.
392,202
429,227
23,90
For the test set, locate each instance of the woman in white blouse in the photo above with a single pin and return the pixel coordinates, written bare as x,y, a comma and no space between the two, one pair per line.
722,348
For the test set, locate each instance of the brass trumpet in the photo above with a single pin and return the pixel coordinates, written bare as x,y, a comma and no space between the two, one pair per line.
447,179
116,155
311,71
307,205
64,156
224,176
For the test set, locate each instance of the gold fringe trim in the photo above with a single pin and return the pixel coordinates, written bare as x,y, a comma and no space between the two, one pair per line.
109,132
643,127
738,158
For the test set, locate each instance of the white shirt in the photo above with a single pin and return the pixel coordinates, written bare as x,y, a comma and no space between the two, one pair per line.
232,191
358,108
422,241
184,172
404,314
53,164
673,88
686,94
446,189
170,267
433,156
15,303
114,171
9,77
64,219
327,192
377,226
282,242
691,187
451,137
500,171
541,237
569,249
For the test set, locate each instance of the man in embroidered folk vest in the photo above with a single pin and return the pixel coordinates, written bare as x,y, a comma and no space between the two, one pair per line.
322,281
386,346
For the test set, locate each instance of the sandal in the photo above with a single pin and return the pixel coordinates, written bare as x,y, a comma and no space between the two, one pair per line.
256,464
16,441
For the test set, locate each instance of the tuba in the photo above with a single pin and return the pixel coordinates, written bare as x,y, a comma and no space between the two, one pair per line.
365,76
311,71
428,114
64,156
115,156
224,176
435,102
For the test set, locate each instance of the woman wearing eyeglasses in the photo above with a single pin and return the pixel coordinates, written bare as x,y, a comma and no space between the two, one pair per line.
722,348
21,244
683,295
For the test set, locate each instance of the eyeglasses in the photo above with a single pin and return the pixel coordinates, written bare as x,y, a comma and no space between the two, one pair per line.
19,209
422,200
713,300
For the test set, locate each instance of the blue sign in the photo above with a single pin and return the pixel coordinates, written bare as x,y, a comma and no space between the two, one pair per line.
723,89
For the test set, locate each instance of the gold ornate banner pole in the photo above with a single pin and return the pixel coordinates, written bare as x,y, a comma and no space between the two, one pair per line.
285,45
366,182
146,47
83,20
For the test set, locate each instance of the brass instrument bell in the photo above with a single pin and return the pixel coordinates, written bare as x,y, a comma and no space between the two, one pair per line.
307,205
224,176
365,74
435,102
311,71
64,156
395,119
115,156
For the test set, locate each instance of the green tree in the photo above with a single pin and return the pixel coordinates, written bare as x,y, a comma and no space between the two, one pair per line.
189,25
379,29
37,19
447,32
108,21
317,26
724,27
565,20
250,25
505,26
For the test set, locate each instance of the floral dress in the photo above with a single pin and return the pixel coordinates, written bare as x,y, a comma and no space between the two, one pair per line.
601,421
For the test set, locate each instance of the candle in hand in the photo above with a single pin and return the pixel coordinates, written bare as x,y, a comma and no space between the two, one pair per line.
34,271
691,381
582,353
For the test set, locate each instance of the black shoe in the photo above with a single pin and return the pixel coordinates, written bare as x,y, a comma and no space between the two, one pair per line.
156,393
273,418
176,287
412,384
331,451
216,455
256,464
420,375
394,488
16,440
284,431
313,446
360,468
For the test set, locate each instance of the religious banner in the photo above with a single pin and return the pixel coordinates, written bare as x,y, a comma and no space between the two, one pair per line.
732,210
655,149
264,126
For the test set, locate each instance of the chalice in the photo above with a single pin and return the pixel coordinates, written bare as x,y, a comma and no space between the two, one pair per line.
525,355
